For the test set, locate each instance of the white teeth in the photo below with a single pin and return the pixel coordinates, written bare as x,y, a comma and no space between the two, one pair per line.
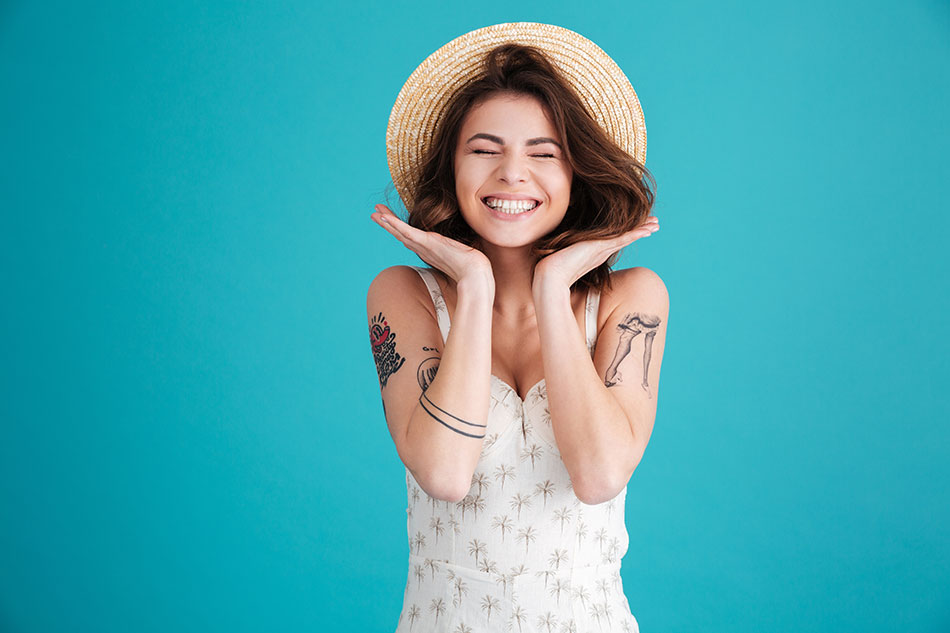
511,207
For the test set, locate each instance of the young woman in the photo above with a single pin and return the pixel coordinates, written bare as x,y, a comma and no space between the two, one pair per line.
519,375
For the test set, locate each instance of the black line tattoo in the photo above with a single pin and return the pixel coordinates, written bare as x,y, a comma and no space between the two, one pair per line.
383,341
443,423
630,326
447,413
428,368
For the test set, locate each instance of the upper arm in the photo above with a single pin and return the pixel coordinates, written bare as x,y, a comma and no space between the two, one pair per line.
406,345
630,346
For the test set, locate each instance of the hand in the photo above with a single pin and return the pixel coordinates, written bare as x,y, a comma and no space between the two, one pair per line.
569,264
453,258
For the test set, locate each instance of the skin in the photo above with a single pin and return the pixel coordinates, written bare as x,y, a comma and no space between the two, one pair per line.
508,145
601,433
539,171
631,326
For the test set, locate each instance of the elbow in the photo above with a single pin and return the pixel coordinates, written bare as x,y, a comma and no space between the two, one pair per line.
596,490
444,488
596,496
440,483
590,491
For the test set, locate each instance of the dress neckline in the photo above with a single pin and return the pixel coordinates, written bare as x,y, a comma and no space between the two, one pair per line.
591,307
515,392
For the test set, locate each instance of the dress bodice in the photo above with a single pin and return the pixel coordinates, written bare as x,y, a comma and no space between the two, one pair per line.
520,537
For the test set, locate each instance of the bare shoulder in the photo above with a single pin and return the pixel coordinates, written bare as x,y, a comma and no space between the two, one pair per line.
405,341
399,278
639,285
398,285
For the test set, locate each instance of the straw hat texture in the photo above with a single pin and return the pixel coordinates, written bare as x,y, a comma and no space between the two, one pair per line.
603,87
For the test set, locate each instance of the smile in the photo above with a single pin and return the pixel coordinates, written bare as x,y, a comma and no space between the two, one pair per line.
510,207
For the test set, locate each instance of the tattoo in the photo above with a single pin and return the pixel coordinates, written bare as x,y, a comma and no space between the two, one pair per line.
423,398
428,368
383,341
630,326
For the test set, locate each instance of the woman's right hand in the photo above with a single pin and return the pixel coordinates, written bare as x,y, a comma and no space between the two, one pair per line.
453,258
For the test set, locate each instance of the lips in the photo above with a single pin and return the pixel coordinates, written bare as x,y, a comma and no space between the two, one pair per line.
512,213
511,205
510,198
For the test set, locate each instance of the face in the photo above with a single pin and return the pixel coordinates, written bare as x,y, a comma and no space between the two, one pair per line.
512,180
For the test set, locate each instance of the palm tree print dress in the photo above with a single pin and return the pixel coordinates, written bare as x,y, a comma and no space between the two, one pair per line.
520,553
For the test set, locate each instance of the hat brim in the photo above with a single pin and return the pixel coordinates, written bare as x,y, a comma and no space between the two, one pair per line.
604,88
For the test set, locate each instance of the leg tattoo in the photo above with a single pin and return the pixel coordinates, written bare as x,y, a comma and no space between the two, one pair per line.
630,326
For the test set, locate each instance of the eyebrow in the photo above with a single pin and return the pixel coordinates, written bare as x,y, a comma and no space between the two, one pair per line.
531,141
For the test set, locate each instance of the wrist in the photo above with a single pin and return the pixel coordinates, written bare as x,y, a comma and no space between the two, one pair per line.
480,283
550,289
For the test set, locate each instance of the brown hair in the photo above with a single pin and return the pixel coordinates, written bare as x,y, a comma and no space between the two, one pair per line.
611,192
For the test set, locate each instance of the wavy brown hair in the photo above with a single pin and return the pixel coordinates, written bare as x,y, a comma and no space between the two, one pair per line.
611,192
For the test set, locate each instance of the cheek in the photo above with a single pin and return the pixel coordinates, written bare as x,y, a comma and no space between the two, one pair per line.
561,187
463,189
467,183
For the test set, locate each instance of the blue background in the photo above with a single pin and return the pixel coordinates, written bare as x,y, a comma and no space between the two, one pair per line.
192,434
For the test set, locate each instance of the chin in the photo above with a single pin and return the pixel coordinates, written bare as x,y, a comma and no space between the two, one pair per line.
508,241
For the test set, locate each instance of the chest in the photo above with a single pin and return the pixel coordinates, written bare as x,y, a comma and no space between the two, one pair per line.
517,355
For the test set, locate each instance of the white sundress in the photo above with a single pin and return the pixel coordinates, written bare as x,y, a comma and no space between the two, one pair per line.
520,552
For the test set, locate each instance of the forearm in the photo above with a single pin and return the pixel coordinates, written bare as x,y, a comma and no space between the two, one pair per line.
447,426
592,432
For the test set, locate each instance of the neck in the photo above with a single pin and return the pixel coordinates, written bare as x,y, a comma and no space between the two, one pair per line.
513,269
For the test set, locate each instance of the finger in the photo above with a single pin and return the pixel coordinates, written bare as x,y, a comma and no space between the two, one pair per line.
634,235
386,212
386,221
404,231
411,233
416,246
383,222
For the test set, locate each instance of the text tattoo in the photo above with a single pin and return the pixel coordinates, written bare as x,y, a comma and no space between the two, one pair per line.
427,369
383,341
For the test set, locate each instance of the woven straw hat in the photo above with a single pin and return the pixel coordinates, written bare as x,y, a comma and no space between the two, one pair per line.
602,86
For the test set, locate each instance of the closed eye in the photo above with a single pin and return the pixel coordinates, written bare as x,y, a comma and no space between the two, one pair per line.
482,151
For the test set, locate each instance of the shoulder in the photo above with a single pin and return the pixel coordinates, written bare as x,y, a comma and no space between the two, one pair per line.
399,289
639,284
397,281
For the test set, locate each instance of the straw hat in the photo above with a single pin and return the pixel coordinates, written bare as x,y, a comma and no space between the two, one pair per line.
602,86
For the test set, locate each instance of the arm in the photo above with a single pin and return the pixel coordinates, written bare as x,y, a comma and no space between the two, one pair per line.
602,431
435,433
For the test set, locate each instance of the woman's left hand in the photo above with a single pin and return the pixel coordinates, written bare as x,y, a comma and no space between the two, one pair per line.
569,264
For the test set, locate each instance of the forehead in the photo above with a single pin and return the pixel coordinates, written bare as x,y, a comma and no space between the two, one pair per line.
514,115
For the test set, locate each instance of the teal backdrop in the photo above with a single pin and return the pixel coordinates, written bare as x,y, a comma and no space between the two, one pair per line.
192,436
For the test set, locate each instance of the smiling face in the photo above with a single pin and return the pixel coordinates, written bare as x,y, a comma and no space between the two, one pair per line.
512,180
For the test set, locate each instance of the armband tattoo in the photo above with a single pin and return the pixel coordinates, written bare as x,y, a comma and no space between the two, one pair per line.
423,398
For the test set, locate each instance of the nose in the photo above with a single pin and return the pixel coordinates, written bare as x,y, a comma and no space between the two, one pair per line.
512,169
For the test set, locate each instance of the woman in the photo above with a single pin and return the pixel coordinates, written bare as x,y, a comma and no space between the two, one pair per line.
518,439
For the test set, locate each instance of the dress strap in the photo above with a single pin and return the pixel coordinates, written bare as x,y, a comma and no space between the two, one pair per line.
441,312
593,305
